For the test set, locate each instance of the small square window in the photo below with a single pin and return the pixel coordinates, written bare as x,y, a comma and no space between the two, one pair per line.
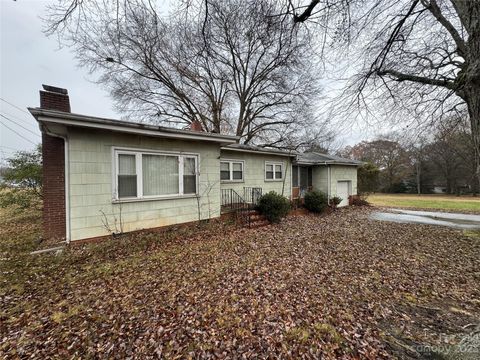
273,171
231,170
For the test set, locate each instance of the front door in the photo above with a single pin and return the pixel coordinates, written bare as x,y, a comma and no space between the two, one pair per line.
343,192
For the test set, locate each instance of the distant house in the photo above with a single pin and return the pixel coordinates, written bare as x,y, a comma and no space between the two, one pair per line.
439,189
103,176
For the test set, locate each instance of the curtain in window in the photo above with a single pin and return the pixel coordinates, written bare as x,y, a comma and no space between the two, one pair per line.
237,171
127,178
189,176
224,171
160,175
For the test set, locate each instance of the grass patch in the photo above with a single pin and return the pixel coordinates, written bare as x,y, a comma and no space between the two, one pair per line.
474,234
438,202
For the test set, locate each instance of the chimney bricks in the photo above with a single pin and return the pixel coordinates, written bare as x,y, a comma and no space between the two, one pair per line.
54,98
53,157
196,126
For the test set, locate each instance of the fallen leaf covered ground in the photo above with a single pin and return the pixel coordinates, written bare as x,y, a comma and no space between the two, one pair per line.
334,286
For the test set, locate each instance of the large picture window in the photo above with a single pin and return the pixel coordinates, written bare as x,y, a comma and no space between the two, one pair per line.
231,170
145,174
273,171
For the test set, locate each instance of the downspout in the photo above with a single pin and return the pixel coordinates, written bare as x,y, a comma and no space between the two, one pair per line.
67,181
329,179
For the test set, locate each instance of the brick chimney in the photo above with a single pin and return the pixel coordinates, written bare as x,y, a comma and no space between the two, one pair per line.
54,98
196,126
53,156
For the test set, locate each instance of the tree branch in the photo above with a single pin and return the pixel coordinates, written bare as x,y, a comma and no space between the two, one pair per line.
306,13
399,76
433,7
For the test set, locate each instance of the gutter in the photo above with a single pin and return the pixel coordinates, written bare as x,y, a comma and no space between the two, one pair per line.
327,163
70,119
266,152
67,182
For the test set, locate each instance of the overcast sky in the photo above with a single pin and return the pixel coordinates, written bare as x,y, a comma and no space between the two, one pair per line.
29,59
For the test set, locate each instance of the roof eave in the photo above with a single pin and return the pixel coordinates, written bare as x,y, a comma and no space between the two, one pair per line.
68,119
277,153
318,163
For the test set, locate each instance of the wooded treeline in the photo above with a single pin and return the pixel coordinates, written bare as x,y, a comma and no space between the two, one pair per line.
442,163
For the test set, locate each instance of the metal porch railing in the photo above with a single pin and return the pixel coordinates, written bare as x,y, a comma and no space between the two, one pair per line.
252,194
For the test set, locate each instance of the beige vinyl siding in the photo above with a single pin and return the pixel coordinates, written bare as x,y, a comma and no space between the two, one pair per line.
91,189
320,178
343,173
337,173
254,172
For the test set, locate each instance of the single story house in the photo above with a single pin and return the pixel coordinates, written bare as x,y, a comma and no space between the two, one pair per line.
104,176
333,175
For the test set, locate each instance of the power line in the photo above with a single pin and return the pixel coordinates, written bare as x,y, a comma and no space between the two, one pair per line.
23,127
23,137
17,118
5,150
15,106
9,148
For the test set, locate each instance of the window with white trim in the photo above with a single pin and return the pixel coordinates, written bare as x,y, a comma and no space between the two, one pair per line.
146,174
231,170
273,171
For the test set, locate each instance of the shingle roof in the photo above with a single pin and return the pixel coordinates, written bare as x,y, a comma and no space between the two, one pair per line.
72,119
319,158
251,148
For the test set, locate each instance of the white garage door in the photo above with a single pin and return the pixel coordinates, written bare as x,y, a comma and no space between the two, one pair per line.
343,191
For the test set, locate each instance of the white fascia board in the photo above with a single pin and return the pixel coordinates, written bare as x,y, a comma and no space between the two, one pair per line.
258,152
70,120
324,163
147,132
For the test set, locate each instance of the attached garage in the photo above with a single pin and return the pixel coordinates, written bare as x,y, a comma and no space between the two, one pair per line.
333,175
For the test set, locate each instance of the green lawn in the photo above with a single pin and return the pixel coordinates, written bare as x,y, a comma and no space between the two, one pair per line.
443,202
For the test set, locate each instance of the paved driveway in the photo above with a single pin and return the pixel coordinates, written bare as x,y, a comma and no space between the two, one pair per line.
453,220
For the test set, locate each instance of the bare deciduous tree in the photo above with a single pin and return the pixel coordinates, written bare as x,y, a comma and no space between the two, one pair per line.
422,56
248,75
388,155
451,156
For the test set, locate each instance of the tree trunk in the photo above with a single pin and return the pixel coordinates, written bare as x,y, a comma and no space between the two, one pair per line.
472,99
419,188
469,13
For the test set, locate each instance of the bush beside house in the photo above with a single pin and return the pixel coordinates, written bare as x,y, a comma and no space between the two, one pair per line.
316,201
274,206
335,201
